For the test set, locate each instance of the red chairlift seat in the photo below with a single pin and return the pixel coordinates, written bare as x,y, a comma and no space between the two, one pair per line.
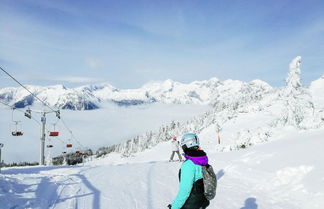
17,133
69,145
54,133
49,146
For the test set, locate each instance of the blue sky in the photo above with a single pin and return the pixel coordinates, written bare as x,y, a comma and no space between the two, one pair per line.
130,42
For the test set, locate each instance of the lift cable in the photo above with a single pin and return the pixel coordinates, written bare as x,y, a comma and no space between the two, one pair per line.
73,137
58,138
43,102
11,107
34,95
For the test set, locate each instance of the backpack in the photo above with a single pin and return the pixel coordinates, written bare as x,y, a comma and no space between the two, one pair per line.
210,181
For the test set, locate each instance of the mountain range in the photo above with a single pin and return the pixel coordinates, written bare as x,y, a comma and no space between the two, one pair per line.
95,96
88,97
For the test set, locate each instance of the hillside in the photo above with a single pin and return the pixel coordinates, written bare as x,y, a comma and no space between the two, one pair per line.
249,116
279,174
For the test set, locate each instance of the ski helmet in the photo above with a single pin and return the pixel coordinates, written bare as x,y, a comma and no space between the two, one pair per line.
189,140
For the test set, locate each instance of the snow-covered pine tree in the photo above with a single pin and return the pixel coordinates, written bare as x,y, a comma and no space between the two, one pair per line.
293,82
299,109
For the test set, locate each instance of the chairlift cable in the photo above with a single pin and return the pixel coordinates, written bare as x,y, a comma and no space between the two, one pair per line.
6,104
11,107
72,136
44,103
34,119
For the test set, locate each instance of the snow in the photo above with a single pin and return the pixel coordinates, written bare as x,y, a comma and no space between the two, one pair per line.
269,110
278,174
316,90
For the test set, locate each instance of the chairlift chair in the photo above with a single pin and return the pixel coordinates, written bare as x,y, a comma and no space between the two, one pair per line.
28,113
54,133
49,146
17,133
17,130
69,145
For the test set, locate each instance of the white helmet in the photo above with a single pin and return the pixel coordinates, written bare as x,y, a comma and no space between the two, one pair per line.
189,140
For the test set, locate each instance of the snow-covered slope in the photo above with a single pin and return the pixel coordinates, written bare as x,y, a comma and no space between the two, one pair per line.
317,91
284,174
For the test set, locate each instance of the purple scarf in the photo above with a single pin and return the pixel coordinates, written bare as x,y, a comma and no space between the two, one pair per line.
200,160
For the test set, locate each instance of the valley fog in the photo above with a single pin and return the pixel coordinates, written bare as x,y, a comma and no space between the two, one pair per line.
102,127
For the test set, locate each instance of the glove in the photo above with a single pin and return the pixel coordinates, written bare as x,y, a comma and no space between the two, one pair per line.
169,206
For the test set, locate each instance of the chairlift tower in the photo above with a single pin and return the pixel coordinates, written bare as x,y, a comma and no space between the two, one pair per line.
43,135
42,144
1,145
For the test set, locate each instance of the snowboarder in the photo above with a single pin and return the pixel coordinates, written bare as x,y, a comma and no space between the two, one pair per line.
175,149
191,188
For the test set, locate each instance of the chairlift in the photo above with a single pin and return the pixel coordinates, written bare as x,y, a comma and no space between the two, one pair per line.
54,133
58,114
28,113
16,131
49,145
69,144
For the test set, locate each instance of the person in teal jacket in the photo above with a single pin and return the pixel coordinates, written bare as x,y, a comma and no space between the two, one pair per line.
191,187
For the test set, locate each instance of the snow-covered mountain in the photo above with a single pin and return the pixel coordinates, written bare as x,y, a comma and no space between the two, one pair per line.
169,92
56,96
245,114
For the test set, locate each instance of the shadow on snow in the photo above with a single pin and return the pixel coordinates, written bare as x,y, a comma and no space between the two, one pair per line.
250,203
46,193
220,174
12,191
94,191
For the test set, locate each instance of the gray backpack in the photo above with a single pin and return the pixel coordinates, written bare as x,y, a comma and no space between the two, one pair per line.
210,182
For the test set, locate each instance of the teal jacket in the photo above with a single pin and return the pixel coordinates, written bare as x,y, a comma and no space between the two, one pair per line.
190,173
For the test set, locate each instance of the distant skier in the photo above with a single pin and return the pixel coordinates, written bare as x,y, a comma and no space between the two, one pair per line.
175,149
191,194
